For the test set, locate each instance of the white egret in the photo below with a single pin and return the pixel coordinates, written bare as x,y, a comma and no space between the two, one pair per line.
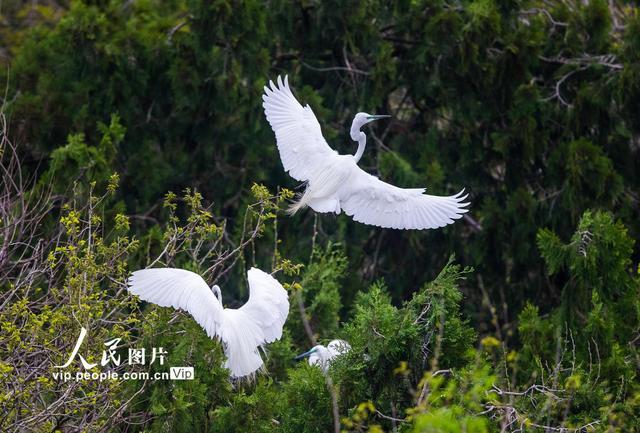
241,330
322,356
335,183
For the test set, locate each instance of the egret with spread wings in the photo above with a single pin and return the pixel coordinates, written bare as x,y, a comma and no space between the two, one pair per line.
241,330
336,183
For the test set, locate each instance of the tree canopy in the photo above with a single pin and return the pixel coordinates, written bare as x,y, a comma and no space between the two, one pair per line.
134,134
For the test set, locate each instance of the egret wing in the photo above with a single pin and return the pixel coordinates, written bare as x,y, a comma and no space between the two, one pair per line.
338,347
268,304
257,322
372,201
242,331
179,288
300,142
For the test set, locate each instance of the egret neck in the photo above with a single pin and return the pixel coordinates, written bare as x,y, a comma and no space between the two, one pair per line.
359,121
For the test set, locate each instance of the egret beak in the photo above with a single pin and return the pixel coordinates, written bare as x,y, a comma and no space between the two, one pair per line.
377,116
304,355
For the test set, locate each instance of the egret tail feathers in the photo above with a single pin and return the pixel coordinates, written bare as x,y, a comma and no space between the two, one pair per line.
242,339
299,203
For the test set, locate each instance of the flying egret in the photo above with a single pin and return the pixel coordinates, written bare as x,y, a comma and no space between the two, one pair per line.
335,183
242,330
322,356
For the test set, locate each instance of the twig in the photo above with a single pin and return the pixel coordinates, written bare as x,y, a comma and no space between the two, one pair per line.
335,68
390,418
305,321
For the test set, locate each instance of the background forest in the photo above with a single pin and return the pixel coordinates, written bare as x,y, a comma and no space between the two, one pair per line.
133,134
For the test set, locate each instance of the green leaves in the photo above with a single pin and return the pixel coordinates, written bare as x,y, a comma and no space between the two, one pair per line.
586,176
320,290
532,106
596,320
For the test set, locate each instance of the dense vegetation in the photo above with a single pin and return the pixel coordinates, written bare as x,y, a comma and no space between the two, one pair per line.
133,134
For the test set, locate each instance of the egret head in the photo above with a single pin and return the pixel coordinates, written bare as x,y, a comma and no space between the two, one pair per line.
362,119
216,291
310,352
318,355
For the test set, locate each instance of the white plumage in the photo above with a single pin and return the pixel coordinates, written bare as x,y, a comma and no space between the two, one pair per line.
335,183
243,331
322,356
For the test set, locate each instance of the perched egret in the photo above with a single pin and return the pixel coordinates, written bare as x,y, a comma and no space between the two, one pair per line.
322,356
242,330
335,183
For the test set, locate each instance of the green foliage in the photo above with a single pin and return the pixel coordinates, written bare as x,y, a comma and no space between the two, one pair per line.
181,406
601,289
587,175
319,290
531,105
454,405
398,171
584,348
78,159
74,284
254,411
305,404
422,333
